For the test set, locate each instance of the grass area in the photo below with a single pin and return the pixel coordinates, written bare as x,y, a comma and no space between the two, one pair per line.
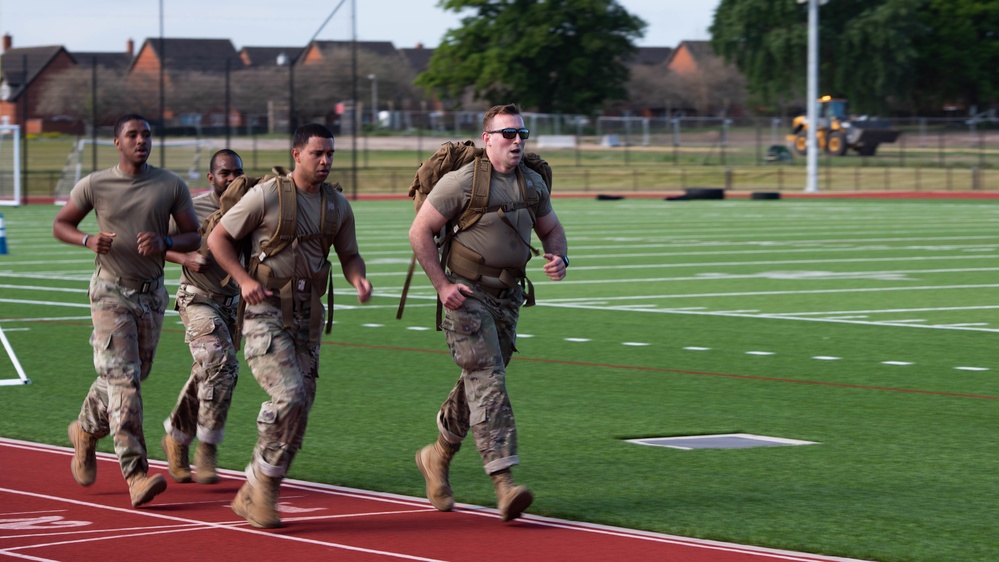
866,326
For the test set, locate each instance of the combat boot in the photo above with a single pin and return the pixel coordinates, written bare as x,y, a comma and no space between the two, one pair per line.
144,488
511,499
204,464
434,462
84,463
179,465
257,503
241,504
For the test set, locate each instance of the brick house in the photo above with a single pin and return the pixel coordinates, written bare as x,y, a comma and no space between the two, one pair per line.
24,74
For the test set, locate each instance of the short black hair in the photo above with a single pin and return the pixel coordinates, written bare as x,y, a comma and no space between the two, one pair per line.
120,123
223,152
307,131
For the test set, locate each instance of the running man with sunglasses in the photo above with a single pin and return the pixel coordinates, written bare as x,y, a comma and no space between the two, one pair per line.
482,291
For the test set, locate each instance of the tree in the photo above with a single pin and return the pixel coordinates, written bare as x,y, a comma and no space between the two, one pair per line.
959,55
70,92
866,48
553,55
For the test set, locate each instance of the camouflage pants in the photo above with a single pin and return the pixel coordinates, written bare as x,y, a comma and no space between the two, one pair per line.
127,327
286,365
482,336
204,401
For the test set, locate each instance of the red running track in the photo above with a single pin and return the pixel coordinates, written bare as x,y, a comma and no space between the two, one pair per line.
45,515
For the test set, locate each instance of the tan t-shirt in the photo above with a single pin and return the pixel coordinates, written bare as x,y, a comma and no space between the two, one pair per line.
257,215
210,278
490,237
127,205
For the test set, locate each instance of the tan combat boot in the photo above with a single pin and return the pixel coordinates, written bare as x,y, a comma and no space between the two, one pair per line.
204,464
434,462
84,463
257,503
511,499
179,466
144,488
241,504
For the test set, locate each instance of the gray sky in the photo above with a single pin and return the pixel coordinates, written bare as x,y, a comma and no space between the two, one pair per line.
106,25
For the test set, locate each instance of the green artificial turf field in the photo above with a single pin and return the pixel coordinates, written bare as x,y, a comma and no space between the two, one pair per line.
865,326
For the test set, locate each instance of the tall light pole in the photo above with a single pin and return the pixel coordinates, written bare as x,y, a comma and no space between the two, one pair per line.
162,96
374,100
812,154
283,59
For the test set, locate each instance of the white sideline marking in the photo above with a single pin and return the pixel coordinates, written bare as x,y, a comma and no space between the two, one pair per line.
899,363
826,358
971,368
415,502
760,353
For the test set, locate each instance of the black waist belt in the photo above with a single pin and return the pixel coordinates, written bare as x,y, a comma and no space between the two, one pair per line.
133,284
221,299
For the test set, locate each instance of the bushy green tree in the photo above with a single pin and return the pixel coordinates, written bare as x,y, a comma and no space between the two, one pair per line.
867,48
959,55
551,55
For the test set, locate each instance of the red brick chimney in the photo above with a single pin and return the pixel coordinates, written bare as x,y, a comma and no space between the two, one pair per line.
130,47
8,42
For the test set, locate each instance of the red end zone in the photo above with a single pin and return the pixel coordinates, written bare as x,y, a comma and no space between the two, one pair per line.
45,515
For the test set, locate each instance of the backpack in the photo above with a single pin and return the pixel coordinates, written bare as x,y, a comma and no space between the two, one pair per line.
283,236
452,156
232,194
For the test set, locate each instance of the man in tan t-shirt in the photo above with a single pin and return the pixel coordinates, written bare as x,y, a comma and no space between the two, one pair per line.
207,300
283,310
134,203
482,304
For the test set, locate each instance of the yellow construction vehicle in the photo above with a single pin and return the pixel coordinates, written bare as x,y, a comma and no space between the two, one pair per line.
838,132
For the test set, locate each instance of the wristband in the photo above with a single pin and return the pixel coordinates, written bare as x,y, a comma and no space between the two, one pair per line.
565,260
85,238
168,242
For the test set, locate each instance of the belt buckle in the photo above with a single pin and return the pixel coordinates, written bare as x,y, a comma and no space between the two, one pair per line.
145,287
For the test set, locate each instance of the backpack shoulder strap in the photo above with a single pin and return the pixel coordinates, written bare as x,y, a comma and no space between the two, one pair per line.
284,234
327,223
478,202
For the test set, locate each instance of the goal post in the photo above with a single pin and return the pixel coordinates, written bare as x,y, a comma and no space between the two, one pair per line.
188,159
10,165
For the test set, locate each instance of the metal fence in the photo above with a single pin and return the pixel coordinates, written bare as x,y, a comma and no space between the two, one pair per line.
613,153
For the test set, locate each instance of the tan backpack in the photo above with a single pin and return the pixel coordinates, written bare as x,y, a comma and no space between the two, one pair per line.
452,156
283,236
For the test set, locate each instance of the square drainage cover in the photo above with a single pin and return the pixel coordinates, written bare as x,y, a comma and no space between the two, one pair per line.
720,441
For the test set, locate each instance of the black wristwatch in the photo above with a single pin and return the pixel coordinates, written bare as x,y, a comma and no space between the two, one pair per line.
565,260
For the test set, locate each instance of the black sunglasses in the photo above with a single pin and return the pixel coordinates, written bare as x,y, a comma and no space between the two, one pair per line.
512,133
